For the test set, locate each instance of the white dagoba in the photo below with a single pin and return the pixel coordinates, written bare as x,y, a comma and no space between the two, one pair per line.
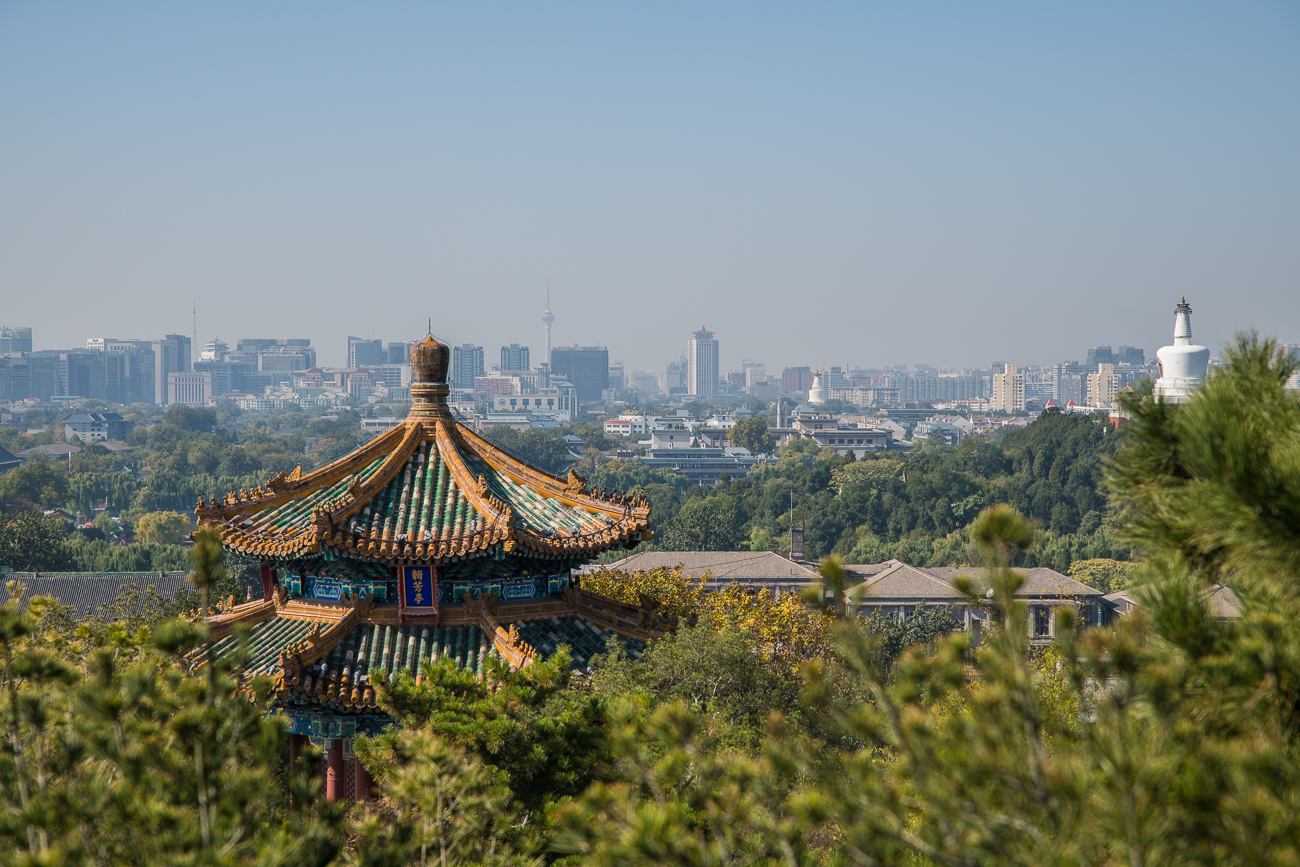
1183,365
817,394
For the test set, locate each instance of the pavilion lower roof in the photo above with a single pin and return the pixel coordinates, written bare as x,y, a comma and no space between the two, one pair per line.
321,653
429,490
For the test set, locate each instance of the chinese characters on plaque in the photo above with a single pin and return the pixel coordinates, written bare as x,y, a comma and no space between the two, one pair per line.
419,589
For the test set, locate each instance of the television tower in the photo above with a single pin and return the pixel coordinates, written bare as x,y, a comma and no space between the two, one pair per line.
547,318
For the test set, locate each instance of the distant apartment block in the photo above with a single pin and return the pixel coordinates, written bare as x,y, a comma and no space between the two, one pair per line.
797,380
1102,386
466,365
1008,390
585,367
702,364
488,387
515,357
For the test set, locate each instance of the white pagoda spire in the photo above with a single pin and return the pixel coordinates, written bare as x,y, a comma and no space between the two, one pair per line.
1184,364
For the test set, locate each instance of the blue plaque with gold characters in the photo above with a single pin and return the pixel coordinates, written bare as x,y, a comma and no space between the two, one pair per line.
419,589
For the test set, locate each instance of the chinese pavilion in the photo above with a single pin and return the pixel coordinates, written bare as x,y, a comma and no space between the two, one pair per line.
428,542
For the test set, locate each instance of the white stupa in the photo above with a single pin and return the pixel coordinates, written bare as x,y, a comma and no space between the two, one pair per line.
1183,365
817,394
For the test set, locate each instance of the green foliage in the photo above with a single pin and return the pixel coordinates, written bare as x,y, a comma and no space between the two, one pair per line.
37,483
116,755
893,635
31,543
680,802
545,739
705,524
753,434
711,672
162,528
915,507
1104,574
442,806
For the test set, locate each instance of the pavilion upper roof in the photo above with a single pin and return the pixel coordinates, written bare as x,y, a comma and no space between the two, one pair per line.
428,490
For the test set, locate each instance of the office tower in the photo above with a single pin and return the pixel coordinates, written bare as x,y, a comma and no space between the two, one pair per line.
1130,355
171,355
796,380
1009,390
702,365
14,341
399,353
515,357
466,364
1099,355
365,353
584,367
674,378
617,377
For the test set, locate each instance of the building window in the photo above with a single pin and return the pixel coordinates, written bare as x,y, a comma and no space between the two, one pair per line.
1042,621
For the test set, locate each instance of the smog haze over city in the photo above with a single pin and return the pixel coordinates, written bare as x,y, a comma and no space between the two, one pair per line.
831,184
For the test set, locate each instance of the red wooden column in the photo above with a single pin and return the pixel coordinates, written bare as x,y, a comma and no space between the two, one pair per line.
334,771
268,582
365,782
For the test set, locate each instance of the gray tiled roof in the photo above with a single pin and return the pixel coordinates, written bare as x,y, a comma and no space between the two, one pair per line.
1039,581
900,581
1222,602
87,592
8,461
744,567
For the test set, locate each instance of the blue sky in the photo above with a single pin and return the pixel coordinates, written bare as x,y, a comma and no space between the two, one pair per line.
818,184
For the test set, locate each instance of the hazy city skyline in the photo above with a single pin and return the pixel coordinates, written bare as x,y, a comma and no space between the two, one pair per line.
869,185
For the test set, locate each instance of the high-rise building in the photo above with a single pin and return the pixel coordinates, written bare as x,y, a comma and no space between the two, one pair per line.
1069,382
15,341
1099,355
702,364
674,378
466,364
515,357
366,353
1130,355
1102,386
617,377
1009,390
584,367
171,355
399,353
796,380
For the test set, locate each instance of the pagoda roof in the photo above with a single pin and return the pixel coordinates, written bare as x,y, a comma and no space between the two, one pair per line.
325,654
427,490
